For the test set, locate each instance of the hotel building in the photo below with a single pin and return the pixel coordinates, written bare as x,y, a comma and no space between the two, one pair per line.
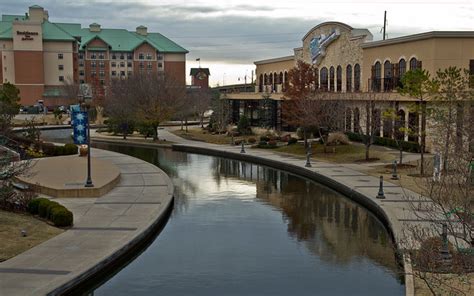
350,66
39,56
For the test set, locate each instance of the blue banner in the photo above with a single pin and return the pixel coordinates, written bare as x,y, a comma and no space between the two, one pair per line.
79,125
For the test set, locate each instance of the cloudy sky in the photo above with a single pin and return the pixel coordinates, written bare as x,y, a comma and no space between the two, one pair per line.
230,35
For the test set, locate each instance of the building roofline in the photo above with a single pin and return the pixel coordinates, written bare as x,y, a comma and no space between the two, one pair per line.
275,60
420,36
327,23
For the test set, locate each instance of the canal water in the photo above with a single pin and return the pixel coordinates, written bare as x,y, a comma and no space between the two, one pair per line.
244,229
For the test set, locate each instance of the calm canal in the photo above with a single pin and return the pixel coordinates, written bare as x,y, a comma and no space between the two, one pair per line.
244,229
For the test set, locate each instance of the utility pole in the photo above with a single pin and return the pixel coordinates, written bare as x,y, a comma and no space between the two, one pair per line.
384,24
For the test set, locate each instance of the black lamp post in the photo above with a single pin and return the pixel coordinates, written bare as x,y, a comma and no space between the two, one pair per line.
85,101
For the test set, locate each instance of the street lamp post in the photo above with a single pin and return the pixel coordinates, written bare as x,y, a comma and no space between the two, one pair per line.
85,102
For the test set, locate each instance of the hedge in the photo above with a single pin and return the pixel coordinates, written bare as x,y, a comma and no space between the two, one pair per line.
407,146
52,150
51,210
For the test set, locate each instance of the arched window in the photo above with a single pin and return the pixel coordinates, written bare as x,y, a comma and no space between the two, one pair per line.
413,64
316,78
348,120
339,78
274,82
348,78
357,77
376,76
402,68
266,79
387,76
356,120
331,78
286,82
260,83
324,79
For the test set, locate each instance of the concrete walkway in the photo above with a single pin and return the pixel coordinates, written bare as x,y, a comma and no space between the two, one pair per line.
104,229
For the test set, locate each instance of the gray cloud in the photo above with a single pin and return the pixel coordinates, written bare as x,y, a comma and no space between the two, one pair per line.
231,38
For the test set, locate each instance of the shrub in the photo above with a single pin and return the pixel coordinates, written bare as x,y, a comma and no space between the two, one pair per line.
238,142
292,141
33,205
61,217
252,140
243,126
52,205
337,139
43,208
300,133
70,149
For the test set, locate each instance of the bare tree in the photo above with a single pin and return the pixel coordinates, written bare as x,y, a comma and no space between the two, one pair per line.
120,105
202,103
155,98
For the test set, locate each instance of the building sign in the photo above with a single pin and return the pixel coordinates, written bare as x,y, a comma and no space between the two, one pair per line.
201,76
27,35
318,45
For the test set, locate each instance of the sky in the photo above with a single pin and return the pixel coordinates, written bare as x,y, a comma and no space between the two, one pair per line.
228,36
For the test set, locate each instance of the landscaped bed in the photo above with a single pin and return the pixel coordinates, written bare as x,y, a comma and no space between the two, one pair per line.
13,243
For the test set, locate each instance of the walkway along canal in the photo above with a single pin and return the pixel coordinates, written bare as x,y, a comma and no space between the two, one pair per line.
243,229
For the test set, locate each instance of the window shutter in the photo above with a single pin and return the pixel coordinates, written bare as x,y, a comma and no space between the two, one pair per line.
418,65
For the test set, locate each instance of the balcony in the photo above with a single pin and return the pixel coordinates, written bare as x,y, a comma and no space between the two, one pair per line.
383,84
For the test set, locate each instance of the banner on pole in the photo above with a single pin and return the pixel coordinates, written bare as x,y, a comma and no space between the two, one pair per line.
79,125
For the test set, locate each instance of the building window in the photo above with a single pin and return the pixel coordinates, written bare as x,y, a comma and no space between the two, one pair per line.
81,64
357,77
160,57
387,76
102,65
148,56
122,56
114,73
141,56
324,79
129,56
101,56
376,77
129,73
150,65
82,81
93,73
413,64
348,78
60,67
93,56
129,64
122,73
93,64
60,56
142,65
402,68
339,78
122,64
61,78
114,57
331,79
113,64
101,73
102,82
81,56
81,73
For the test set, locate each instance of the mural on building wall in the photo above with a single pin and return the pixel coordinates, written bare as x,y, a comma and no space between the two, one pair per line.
319,44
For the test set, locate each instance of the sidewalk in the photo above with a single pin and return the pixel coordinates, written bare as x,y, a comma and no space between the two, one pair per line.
104,229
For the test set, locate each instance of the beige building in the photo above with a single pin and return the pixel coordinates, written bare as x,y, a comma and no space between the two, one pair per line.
40,56
350,66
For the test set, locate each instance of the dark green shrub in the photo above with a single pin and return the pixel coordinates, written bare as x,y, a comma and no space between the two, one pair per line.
43,208
61,217
252,140
34,204
292,141
51,206
70,149
243,126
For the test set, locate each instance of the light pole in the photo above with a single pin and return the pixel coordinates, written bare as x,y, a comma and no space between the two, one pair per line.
85,101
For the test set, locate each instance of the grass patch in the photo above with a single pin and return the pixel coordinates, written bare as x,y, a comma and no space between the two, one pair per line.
340,154
13,243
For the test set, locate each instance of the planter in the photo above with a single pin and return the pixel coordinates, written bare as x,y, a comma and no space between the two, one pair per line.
83,150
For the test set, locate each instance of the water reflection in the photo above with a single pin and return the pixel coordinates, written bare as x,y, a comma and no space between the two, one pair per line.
244,229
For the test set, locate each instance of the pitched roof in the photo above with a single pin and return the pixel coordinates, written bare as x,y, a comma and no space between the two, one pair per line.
12,17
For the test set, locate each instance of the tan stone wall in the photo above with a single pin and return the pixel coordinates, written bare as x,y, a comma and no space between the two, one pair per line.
343,51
